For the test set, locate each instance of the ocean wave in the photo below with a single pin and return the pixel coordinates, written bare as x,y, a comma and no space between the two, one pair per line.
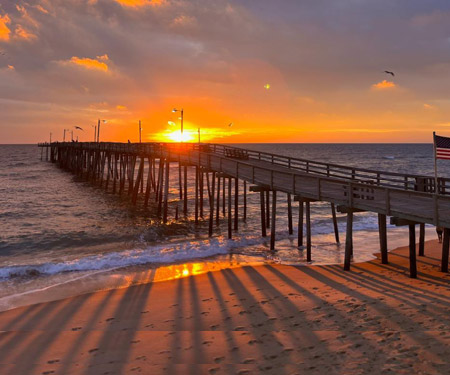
163,254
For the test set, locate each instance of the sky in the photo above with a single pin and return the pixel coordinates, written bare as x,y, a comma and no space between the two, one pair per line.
279,71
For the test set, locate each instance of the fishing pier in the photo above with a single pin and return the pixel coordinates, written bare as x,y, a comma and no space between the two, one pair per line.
223,174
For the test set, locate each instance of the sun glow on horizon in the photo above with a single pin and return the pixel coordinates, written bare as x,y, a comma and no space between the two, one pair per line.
175,136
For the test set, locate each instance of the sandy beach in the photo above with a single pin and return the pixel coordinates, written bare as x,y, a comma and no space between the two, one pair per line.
266,319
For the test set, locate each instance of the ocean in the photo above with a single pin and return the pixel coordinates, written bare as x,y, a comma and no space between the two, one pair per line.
62,236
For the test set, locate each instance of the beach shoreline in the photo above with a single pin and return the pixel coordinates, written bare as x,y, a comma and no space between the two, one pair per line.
269,319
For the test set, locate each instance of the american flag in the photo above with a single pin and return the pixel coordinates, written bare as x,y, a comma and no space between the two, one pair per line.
442,147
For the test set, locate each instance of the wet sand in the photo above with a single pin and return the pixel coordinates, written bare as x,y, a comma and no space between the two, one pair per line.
266,319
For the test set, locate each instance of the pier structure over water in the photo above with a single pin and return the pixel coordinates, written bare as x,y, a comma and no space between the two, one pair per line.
142,170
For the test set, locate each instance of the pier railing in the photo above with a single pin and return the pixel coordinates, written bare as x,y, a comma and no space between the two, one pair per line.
410,182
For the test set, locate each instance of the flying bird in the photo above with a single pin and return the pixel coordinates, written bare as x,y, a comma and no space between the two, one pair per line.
388,72
77,127
230,124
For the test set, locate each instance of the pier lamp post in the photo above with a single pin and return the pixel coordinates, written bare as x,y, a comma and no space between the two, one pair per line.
140,132
98,129
50,138
64,137
181,118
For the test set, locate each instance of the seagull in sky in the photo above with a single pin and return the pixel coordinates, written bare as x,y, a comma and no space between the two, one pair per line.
388,72
77,127
230,124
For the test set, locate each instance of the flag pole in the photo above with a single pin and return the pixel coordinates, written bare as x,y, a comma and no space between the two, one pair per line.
436,190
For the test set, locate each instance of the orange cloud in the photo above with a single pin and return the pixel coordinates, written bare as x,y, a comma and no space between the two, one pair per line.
4,30
24,34
383,85
91,64
139,3
121,107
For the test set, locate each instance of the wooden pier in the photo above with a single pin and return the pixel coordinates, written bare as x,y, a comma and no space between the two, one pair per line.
120,168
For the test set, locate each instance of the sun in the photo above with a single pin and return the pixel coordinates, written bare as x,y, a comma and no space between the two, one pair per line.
175,136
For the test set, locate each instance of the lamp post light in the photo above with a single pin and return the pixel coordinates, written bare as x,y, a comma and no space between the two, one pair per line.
181,118
98,129
140,132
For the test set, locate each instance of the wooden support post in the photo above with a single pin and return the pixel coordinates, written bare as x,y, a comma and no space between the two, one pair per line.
131,175
267,209
197,175
349,241
335,225
263,214
236,203
245,202
229,209
211,204
308,230
274,213
412,251
179,179
223,198
383,238
108,174
138,181
300,224
154,174
289,203
445,250
166,191
149,183
159,195
201,186
185,202
218,200
160,177
421,239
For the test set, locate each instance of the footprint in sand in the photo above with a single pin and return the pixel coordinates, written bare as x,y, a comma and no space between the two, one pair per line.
244,372
93,350
53,361
213,370
218,359
48,372
135,341
110,319
76,328
142,357
145,312
249,361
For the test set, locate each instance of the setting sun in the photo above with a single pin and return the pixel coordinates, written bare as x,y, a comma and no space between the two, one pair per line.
175,136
